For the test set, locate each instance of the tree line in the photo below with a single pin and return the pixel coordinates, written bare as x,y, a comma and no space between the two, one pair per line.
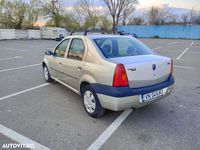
86,15
165,16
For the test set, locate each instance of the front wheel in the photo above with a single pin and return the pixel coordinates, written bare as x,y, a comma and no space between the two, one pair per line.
46,74
91,102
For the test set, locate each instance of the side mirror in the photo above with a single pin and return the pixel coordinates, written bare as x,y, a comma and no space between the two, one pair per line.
49,53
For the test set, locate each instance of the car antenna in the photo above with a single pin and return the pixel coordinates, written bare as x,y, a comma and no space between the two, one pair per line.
85,32
71,33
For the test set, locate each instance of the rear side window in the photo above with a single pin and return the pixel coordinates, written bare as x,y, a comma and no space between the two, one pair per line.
76,50
121,47
105,46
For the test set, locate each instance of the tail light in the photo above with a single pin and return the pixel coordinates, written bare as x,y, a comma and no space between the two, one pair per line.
171,69
120,76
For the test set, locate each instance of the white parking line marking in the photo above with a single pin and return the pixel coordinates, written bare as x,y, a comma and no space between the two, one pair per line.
157,48
24,91
41,47
20,138
13,49
23,67
110,130
194,53
178,60
182,53
185,67
172,43
8,58
191,43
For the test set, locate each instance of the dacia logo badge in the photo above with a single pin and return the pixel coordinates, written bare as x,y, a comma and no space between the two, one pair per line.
154,67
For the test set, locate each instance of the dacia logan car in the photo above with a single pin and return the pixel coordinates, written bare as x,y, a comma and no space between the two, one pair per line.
109,71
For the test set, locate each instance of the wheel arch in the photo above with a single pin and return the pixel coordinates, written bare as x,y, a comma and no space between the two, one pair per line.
45,62
85,80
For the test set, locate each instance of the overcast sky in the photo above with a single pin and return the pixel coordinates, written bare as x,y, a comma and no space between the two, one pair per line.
148,3
188,4
173,3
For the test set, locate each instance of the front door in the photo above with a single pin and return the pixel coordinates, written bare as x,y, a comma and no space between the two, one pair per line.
55,62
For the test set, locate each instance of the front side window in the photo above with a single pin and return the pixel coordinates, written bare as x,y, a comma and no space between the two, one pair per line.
61,48
76,50
121,47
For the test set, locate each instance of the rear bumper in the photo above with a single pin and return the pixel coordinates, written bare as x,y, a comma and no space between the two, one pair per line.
121,103
120,98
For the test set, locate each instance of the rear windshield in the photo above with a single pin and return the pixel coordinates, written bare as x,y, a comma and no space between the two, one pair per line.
121,47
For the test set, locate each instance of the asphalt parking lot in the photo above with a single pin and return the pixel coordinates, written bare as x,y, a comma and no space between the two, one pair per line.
53,117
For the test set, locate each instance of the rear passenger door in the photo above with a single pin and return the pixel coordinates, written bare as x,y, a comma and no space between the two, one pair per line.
73,64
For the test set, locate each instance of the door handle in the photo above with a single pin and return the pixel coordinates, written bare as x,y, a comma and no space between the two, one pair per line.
79,68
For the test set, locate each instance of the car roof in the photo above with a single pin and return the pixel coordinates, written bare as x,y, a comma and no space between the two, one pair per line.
96,36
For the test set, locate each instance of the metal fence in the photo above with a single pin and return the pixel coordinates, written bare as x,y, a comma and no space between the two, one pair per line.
163,31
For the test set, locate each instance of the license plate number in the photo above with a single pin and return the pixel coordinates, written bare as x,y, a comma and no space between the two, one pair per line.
151,96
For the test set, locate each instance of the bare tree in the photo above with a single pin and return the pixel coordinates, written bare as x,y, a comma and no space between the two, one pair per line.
185,18
105,23
197,20
85,8
190,17
2,23
13,13
91,22
33,13
172,19
136,21
87,12
70,22
128,10
52,9
117,8
157,15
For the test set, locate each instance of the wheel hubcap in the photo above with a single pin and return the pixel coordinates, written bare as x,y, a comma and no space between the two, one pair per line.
46,73
89,101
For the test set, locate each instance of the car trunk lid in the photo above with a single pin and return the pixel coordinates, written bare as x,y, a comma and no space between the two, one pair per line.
145,70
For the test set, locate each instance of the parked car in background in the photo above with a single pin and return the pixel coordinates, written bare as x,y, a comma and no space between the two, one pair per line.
53,33
127,34
109,71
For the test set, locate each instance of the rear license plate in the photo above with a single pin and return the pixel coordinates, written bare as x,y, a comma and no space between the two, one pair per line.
151,96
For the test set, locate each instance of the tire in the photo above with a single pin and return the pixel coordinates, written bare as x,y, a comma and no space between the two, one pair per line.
46,74
91,102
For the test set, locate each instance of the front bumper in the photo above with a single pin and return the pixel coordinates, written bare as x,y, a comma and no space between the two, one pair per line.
120,98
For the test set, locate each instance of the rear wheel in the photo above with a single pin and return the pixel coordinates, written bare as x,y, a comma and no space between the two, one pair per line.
46,74
91,102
